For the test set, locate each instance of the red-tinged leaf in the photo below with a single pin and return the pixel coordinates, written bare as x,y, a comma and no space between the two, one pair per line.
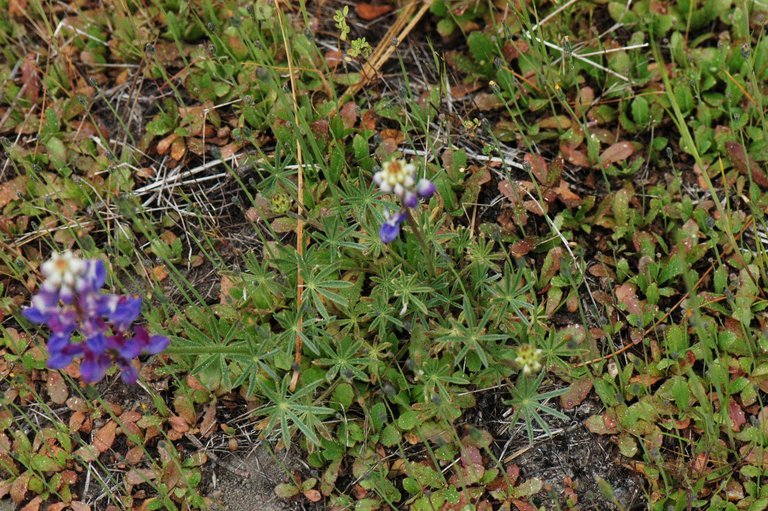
13,189
699,175
77,505
486,102
523,247
512,50
195,383
600,425
736,413
58,506
57,388
508,190
134,455
470,455
30,78
576,393
359,492
538,167
159,272
513,473
349,114
396,137
646,380
33,505
139,476
619,151
333,58
208,423
105,436
87,453
627,295
76,421
313,495
584,100
523,506
566,196
230,150
5,487
19,487
164,145
178,149
77,404
183,404
320,130
574,155
734,491
370,12
369,120
745,164
178,424
286,490
472,185
561,122
462,90
17,8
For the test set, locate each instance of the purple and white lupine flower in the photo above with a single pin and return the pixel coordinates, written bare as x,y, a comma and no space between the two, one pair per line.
399,178
70,300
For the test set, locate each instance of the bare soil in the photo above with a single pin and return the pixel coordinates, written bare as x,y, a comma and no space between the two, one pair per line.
231,491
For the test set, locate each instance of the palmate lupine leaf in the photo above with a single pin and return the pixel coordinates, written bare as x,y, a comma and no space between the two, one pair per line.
294,410
212,344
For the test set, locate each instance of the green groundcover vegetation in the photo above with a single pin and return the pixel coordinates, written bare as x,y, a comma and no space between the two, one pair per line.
410,244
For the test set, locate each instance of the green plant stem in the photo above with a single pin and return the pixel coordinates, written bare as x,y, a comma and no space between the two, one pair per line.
420,236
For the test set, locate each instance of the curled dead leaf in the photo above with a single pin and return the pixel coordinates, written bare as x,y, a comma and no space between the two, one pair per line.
105,436
745,164
369,12
618,152
57,388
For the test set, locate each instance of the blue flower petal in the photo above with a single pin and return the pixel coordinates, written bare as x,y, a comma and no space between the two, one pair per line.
97,343
157,344
94,367
128,372
410,200
125,312
425,188
390,229
57,342
35,315
59,360
389,232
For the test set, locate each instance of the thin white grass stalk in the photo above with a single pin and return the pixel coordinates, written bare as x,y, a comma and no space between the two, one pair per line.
581,58
550,16
63,24
612,50
568,248
529,34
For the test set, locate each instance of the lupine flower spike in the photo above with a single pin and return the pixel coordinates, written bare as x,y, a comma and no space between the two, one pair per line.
528,359
399,178
70,301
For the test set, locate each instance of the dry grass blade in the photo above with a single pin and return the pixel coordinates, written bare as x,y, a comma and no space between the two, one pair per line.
399,30
300,186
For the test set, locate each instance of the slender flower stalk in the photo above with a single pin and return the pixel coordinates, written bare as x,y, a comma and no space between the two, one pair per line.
70,302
